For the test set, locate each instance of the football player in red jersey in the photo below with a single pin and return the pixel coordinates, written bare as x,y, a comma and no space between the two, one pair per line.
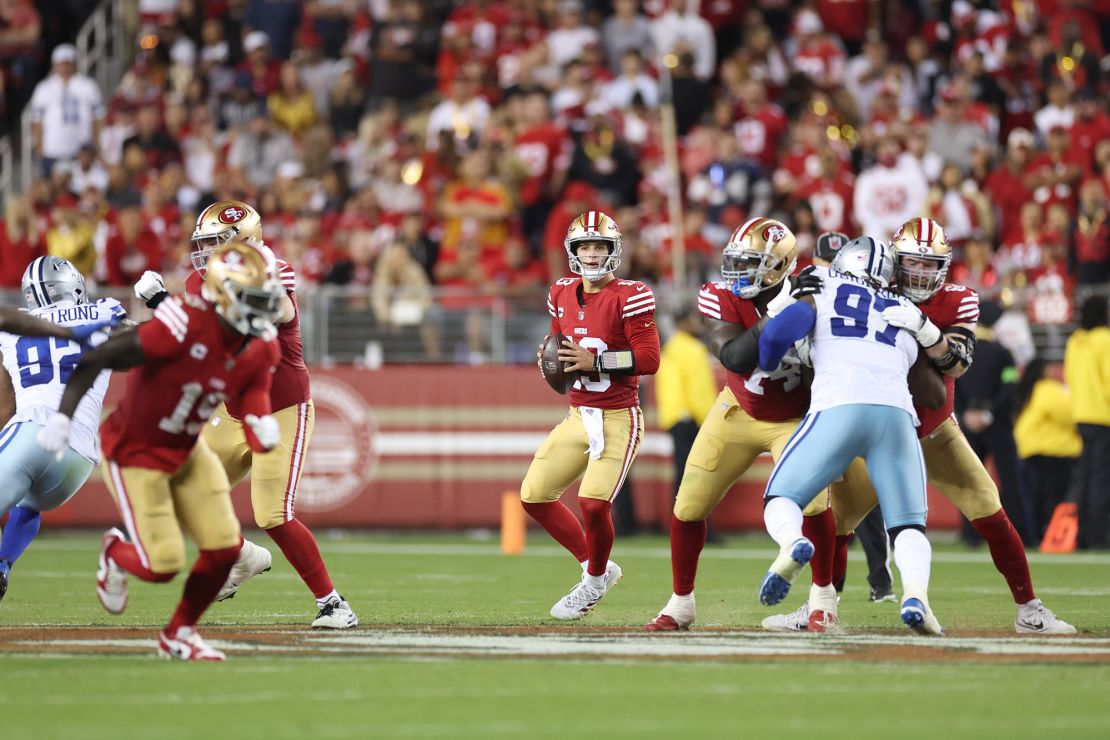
276,473
756,411
948,313
193,355
612,341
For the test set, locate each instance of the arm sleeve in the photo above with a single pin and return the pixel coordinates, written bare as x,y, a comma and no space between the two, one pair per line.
741,354
782,331
643,335
163,337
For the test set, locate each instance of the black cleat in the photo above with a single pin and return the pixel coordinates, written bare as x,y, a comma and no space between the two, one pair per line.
5,568
880,595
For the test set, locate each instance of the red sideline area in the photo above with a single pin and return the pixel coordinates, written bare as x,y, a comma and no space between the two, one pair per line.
435,447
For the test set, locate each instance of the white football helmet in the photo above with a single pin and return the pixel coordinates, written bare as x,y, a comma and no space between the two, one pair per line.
866,258
53,281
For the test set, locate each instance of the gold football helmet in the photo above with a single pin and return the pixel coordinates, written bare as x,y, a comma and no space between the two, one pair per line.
243,284
923,241
220,222
593,226
759,255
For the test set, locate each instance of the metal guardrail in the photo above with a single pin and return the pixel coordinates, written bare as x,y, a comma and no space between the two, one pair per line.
103,50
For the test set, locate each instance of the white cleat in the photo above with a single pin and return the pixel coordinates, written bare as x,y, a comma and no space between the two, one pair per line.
252,560
917,615
187,645
1034,618
336,614
583,597
795,621
111,580
678,614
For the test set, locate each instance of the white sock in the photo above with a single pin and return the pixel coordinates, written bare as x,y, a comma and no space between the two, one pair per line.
585,564
320,602
783,519
913,555
597,582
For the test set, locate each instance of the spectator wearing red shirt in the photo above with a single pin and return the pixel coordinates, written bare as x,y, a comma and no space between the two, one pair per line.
1006,184
1051,289
132,248
1092,235
830,195
849,19
21,241
1090,126
976,270
820,57
543,148
1054,176
1023,252
476,208
760,125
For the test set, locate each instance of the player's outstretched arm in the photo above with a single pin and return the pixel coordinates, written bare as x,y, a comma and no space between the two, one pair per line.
122,351
14,321
781,332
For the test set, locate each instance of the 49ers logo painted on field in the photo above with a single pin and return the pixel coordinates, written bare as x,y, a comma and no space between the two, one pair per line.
232,215
343,452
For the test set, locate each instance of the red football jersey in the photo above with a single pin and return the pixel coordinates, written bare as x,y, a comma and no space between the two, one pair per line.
952,304
621,316
830,199
291,382
544,150
774,396
193,364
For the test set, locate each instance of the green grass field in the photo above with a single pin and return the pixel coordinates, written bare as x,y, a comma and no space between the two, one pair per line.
415,669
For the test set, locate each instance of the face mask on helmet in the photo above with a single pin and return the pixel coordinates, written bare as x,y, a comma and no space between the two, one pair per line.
218,224
252,311
205,245
608,264
243,285
746,270
53,281
921,276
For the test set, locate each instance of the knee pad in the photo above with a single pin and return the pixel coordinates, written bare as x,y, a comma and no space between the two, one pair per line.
895,531
269,520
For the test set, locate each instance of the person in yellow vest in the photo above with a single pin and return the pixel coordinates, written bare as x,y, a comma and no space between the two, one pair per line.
1087,373
685,387
1047,440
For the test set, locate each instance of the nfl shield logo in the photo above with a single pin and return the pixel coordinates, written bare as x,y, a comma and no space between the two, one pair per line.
581,315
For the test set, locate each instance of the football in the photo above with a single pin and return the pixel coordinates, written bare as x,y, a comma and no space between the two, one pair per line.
552,368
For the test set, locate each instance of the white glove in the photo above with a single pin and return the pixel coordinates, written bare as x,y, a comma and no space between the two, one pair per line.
266,430
54,435
909,317
802,347
782,301
149,285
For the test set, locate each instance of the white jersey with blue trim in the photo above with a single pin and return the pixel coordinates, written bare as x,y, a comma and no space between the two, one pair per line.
857,357
40,366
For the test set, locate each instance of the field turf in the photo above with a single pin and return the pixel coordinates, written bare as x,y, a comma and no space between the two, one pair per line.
457,642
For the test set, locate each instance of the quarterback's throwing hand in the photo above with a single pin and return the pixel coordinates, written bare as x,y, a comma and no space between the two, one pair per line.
909,317
266,430
577,357
149,285
54,435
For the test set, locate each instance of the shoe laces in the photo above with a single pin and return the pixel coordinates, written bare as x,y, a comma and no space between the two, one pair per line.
583,595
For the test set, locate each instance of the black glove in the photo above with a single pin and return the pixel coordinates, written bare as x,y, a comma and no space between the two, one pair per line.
806,283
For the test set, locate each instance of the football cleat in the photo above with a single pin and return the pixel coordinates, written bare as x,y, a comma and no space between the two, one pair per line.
677,615
917,615
823,615
252,560
336,614
5,569
584,597
881,595
111,580
187,645
1034,618
785,568
821,621
795,621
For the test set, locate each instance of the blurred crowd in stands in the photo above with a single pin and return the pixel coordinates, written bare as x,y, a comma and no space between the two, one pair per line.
460,137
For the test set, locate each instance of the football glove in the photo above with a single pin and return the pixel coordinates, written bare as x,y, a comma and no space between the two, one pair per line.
806,283
149,285
780,302
85,333
54,435
266,430
909,317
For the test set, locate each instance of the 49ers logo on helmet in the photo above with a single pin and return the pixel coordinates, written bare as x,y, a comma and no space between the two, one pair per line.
898,234
232,215
774,233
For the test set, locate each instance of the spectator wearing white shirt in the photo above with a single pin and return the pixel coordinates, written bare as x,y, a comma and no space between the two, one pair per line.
67,110
632,80
889,193
681,29
1058,112
571,36
464,113
87,172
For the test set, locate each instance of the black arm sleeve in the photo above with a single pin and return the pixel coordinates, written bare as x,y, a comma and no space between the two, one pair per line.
741,354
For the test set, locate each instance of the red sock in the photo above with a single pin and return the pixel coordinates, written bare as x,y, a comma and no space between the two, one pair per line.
687,541
599,533
561,523
820,529
1008,553
127,557
300,549
209,574
840,560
